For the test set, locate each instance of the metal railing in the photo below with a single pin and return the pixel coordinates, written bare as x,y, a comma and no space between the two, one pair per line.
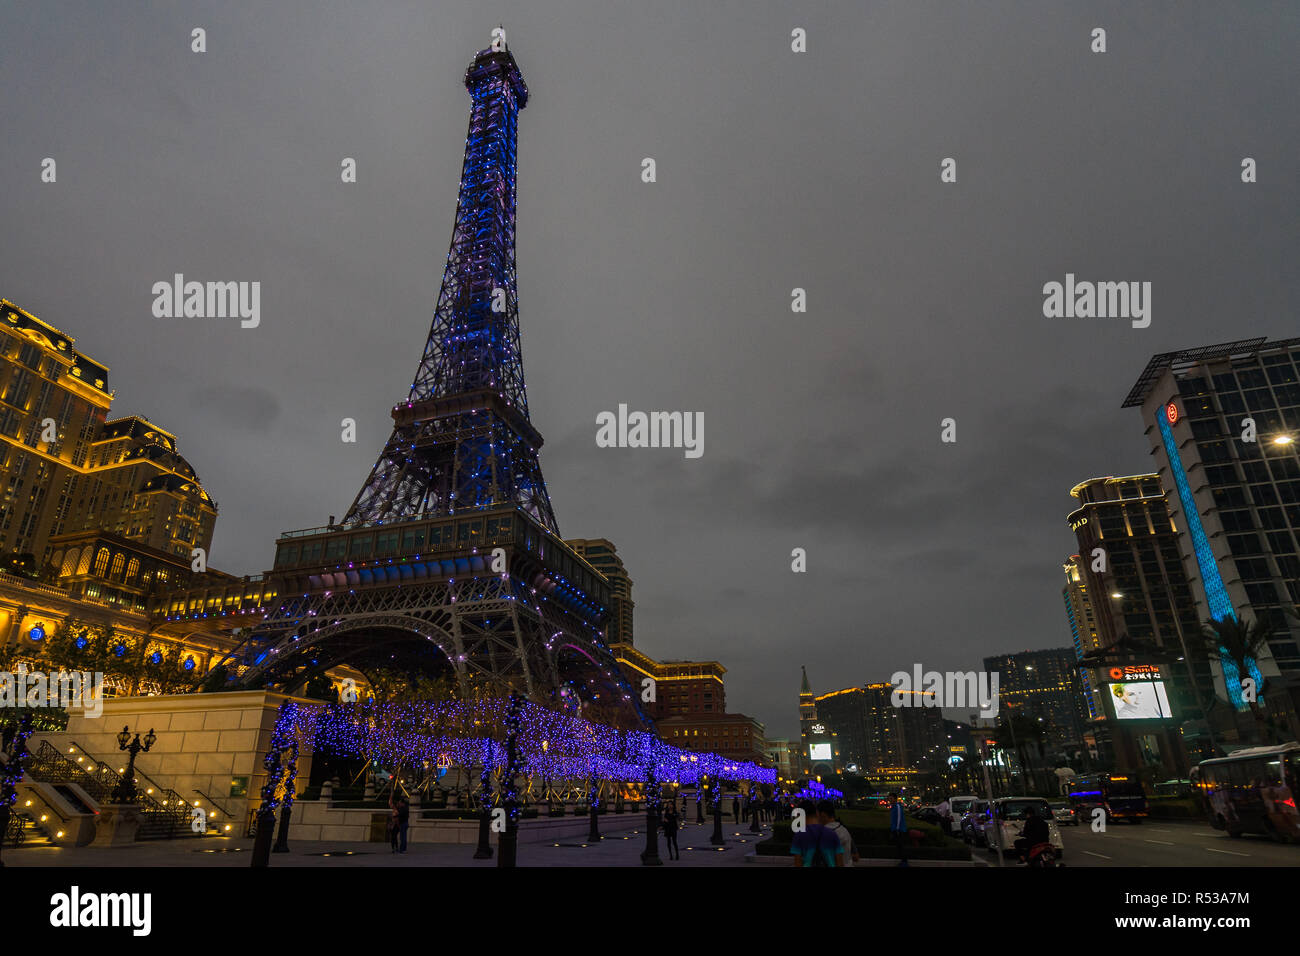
100,781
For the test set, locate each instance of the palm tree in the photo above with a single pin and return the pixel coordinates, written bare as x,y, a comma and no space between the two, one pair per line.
1241,642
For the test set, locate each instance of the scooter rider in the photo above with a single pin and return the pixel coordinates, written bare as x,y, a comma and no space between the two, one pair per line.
1034,832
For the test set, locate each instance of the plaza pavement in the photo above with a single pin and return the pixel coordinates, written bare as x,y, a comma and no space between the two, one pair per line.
621,849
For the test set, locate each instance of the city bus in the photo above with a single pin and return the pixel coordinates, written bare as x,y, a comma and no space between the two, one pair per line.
1119,795
1252,791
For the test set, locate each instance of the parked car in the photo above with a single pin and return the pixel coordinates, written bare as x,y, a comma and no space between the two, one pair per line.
1005,819
926,814
1065,815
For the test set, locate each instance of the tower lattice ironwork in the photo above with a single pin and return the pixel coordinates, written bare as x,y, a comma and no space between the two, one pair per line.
463,441
449,559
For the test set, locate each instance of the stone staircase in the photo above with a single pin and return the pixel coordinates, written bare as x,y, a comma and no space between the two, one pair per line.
165,814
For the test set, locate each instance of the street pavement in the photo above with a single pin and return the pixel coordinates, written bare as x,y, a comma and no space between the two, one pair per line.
1165,843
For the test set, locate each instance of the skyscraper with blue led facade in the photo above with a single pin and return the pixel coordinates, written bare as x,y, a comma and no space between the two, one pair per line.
1224,426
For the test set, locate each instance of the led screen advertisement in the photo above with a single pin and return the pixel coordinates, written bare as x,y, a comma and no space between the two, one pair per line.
1137,692
820,752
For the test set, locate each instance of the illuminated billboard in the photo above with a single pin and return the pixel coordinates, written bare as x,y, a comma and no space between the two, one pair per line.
820,752
1137,692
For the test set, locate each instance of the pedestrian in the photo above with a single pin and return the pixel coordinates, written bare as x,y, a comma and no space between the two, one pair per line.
735,807
898,828
816,845
944,809
670,832
826,810
402,818
392,824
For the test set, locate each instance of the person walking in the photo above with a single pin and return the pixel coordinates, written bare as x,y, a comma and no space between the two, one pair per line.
735,807
817,845
898,828
944,809
826,811
670,832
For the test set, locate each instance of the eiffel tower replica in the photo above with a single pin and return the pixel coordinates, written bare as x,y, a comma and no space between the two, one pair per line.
450,559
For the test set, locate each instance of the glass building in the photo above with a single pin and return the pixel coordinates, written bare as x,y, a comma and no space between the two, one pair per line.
1223,422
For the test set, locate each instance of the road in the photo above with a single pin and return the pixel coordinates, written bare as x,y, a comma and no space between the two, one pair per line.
1166,843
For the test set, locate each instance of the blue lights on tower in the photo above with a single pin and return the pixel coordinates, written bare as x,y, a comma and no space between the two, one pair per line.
1216,594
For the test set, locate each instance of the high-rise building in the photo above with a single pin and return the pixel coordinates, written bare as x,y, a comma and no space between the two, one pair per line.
1082,619
873,736
603,556
1043,686
845,712
1223,422
1130,603
67,468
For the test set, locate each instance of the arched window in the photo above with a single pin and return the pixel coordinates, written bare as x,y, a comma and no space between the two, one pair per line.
101,562
119,562
70,563
132,570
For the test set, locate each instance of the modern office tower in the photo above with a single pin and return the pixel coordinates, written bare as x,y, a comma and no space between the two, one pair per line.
1130,602
1043,686
1223,422
67,468
603,556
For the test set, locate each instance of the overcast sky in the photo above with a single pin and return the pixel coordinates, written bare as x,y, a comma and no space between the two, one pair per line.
776,170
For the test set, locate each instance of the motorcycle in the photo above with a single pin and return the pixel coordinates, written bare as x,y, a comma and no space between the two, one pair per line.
1042,856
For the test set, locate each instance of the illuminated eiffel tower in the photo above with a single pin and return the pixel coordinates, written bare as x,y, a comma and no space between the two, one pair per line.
450,556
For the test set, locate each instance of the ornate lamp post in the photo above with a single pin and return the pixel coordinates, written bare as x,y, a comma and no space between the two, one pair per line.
124,792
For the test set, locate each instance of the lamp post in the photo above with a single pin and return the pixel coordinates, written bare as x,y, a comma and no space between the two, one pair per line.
650,856
716,801
484,851
593,796
508,840
124,792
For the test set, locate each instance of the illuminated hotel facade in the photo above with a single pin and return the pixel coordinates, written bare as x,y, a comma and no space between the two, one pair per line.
67,467
1130,602
1223,423
98,516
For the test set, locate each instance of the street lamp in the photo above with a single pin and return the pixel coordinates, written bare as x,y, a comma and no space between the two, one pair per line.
124,792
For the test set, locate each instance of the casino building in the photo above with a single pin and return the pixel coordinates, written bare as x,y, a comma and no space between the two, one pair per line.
1130,603
1223,422
98,516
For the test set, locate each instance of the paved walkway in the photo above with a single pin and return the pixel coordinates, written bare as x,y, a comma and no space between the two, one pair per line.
622,849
